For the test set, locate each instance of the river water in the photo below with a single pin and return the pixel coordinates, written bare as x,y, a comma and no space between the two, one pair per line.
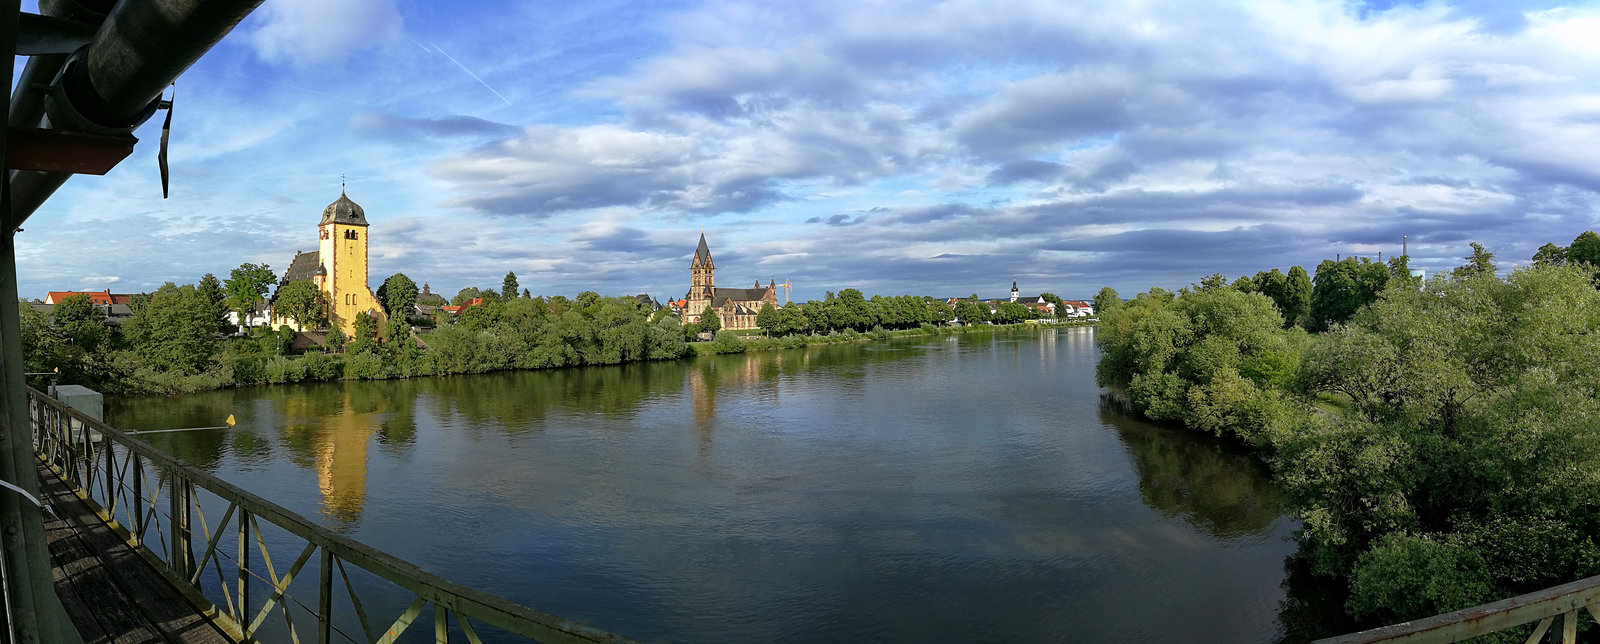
957,488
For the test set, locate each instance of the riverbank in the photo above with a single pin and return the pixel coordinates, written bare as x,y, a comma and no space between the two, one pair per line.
729,342
459,350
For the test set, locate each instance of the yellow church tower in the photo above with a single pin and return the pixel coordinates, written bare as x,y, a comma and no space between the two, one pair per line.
342,276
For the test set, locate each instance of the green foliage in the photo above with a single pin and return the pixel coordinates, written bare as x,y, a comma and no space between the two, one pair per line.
1480,262
1585,249
211,290
302,302
508,286
175,330
247,285
727,342
1106,300
1406,575
1342,288
336,339
767,319
366,334
82,322
398,295
709,321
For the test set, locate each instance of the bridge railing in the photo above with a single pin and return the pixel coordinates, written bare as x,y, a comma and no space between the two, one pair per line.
225,561
1568,602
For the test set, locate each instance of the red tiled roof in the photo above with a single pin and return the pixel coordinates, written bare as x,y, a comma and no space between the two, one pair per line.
98,297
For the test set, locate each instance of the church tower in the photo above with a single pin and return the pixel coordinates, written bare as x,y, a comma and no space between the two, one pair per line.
702,282
342,247
1013,290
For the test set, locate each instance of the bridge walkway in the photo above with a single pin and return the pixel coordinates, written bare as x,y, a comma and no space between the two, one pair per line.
111,593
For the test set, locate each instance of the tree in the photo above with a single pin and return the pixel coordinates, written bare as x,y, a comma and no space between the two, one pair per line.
1480,261
508,286
464,295
302,302
768,319
971,312
173,332
526,294
1061,305
709,322
211,290
1585,249
1343,287
245,286
1106,300
1550,255
366,336
81,322
398,295
1297,291
336,339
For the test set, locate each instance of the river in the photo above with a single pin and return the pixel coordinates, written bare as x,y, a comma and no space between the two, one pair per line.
958,488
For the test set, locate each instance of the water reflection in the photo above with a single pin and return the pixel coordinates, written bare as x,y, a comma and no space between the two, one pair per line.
956,488
1215,487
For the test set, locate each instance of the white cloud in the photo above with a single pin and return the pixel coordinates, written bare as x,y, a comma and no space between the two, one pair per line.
308,32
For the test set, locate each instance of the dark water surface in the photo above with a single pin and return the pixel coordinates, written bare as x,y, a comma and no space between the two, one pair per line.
958,488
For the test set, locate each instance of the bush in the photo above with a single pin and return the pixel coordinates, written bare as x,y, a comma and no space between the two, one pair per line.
727,342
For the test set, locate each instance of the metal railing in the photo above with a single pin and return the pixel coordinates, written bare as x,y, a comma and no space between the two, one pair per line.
1568,601
154,502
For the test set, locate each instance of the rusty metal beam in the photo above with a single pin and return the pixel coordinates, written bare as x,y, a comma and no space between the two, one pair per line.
70,152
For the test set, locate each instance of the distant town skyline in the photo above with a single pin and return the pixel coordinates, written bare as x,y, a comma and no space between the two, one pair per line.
925,148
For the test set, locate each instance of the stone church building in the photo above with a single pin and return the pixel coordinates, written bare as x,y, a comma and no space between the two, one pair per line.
338,266
736,307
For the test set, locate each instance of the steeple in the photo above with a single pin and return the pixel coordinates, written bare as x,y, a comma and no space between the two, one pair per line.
1013,290
703,253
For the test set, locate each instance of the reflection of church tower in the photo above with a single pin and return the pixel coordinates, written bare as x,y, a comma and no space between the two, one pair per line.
342,275
702,283
342,464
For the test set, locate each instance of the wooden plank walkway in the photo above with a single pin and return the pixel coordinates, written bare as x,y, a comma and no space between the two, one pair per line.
111,593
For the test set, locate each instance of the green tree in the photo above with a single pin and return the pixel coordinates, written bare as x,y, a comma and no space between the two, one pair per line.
1342,288
1106,300
1480,261
398,295
174,332
709,321
82,322
1550,255
1297,293
302,302
466,294
768,319
970,312
508,286
336,339
1585,249
211,290
366,335
247,285
526,294
1061,305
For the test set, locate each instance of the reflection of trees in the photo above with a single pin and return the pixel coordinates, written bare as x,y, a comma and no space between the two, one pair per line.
1215,487
202,449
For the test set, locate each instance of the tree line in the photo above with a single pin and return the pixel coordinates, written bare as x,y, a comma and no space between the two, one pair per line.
179,337
1440,440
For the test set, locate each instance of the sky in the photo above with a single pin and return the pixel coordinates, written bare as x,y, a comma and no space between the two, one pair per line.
936,148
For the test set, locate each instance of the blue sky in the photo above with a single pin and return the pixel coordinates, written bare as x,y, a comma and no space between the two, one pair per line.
930,148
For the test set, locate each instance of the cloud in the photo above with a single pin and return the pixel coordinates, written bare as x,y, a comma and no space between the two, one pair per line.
384,125
312,32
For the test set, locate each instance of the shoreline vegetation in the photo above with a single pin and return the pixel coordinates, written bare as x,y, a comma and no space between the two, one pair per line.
1439,439
175,341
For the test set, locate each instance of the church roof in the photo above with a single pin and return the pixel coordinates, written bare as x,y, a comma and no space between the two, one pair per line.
703,252
344,211
721,295
305,266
